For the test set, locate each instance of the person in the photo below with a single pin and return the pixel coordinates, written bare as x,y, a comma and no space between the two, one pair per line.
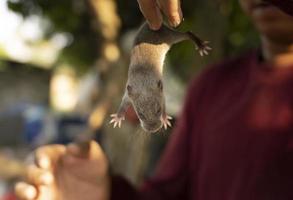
233,141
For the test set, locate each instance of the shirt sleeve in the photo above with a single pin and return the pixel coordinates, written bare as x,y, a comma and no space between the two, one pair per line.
285,5
170,181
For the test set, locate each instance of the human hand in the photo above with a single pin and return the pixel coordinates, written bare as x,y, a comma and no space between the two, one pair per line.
63,172
151,9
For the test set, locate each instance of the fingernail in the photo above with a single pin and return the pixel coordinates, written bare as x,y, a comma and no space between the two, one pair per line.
176,18
156,25
181,15
176,21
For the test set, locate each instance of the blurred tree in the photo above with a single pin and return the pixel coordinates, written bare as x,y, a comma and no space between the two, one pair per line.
66,16
220,21
240,31
91,26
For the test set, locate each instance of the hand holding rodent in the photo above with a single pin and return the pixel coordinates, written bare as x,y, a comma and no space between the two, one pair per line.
63,173
144,88
151,10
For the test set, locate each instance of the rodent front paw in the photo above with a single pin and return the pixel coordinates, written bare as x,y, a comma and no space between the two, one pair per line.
166,121
116,120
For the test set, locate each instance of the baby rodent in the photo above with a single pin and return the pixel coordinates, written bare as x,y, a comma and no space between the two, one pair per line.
144,88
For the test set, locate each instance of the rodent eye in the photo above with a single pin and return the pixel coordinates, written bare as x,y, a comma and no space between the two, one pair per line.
129,89
158,111
141,116
160,85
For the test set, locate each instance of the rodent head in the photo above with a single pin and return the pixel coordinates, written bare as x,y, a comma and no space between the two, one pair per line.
148,102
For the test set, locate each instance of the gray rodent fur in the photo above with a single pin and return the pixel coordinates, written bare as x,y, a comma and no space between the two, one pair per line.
144,88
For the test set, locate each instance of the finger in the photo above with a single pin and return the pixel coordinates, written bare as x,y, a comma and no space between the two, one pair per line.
172,9
46,157
151,12
38,176
25,191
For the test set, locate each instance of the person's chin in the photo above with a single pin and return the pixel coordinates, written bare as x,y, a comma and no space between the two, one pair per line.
277,28
276,33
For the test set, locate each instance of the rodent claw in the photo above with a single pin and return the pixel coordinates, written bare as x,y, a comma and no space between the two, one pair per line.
112,120
168,123
165,126
208,48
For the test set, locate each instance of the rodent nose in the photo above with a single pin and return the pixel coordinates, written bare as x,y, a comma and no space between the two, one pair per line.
152,124
155,124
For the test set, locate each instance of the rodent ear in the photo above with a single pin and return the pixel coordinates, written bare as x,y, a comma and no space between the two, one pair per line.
160,85
129,89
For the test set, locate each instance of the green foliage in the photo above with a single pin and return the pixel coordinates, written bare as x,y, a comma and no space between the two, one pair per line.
69,16
240,32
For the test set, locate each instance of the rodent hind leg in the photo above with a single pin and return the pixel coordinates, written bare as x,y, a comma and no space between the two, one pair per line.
202,46
120,115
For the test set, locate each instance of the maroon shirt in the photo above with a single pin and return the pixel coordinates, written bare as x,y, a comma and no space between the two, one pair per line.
285,5
233,141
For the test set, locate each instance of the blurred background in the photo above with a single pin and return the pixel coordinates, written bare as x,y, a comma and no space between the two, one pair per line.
63,63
